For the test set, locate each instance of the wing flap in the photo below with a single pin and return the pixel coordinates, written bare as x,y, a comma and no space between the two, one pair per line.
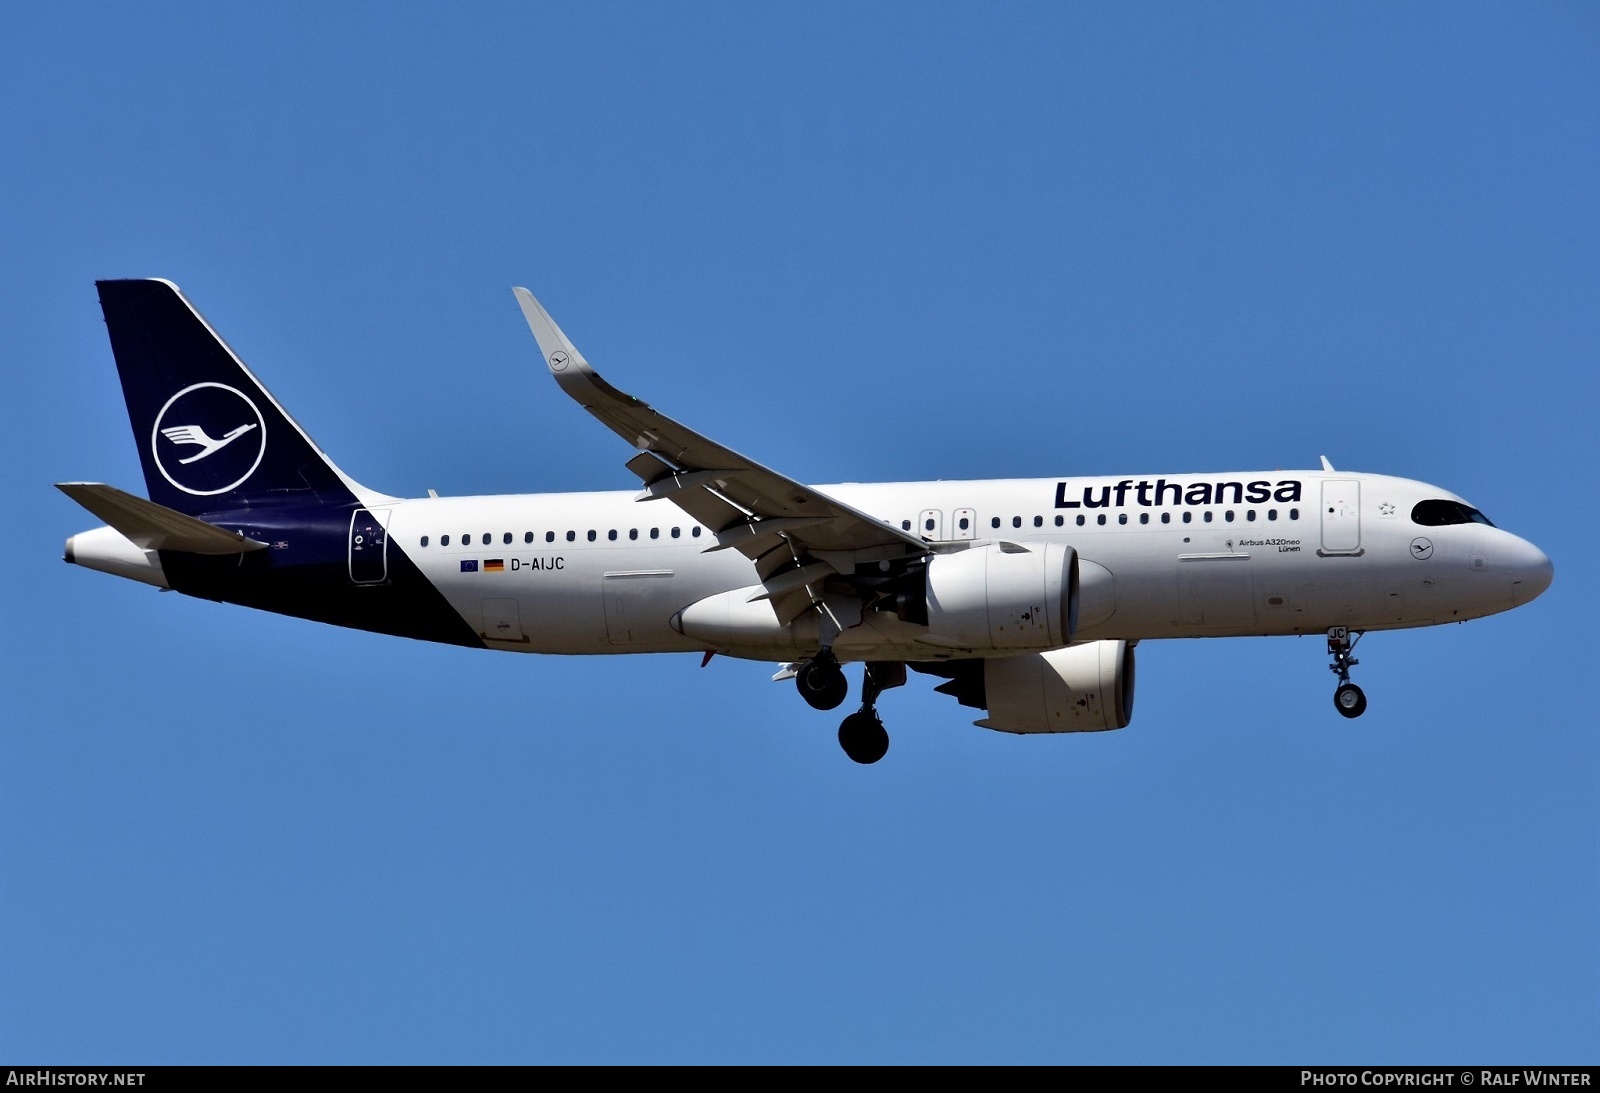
150,526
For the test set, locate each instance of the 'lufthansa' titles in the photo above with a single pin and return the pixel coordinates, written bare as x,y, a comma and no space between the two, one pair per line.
1160,493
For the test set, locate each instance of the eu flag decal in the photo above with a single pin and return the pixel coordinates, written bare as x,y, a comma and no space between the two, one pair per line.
469,565
494,565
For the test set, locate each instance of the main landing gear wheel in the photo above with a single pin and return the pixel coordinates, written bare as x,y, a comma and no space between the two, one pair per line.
821,682
863,737
1349,700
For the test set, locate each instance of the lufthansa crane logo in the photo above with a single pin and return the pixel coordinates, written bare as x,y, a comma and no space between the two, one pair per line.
208,439
558,360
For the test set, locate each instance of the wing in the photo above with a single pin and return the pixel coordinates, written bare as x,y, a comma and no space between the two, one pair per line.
797,536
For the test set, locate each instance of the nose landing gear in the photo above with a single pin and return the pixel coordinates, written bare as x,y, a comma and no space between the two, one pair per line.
1348,699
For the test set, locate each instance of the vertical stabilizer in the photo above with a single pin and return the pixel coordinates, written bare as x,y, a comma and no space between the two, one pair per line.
210,437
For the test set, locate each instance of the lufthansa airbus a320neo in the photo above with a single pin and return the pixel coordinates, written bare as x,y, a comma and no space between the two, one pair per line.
1025,598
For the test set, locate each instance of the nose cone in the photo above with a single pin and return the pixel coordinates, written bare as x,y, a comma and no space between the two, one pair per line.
1531,571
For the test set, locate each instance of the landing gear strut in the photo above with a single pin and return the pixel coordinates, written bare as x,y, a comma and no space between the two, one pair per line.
1348,699
862,735
821,681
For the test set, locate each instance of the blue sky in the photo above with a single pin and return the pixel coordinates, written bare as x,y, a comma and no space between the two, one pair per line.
857,242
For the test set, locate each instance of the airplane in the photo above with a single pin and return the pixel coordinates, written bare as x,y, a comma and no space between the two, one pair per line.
1025,598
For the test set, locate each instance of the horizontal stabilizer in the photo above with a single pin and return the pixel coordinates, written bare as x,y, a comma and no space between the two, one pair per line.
150,526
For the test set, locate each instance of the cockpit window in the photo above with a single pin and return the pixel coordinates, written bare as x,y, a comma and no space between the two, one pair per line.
1434,514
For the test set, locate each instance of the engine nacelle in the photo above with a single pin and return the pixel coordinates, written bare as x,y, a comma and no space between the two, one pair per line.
1083,688
1004,596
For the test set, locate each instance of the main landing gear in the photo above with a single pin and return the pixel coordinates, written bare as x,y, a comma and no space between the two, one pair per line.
862,735
822,684
1348,699
821,681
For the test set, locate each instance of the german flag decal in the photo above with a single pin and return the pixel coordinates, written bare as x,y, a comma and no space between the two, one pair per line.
494,565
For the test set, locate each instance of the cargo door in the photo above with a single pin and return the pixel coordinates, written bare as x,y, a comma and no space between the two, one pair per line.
627,595
502,621
1216,591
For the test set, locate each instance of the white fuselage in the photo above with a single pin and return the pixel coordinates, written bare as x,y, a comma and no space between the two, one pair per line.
605,573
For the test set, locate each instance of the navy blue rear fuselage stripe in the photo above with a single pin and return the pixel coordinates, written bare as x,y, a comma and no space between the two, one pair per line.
305,572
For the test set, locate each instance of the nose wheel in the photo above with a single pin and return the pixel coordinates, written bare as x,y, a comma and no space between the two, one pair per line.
1348,699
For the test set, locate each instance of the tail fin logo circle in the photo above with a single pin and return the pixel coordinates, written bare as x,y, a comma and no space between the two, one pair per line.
208,439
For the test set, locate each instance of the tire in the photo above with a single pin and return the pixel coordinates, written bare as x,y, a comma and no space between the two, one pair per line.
1349,700
823,686
863,738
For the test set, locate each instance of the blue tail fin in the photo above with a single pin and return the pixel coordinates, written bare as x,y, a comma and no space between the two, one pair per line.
209,435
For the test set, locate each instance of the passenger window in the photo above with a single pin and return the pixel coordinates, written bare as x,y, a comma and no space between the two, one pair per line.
1016,521
1122,518
695,531
572,536
1251,515
1294,514
965,523
1188,517
1166,517
1207,516
995,522
1101,519
527,537
612,535
905,525
1080,520
488,537
674,533
444,540
655,533
591,535
424,540
1060,520
1144,518
506,538
1038,521
1272,514
633,533
549,536
1228,516
927,525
